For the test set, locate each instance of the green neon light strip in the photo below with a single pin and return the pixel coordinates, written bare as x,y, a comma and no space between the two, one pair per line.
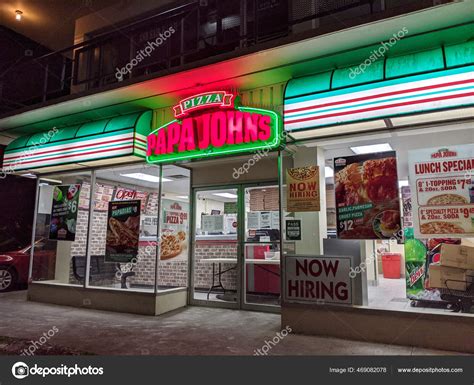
271,143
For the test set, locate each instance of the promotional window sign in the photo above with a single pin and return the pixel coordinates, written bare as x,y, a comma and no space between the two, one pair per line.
293,230
174,230
213,124
442,186
407,207
64,212
367,202
302,189
318,279
125,194
123,231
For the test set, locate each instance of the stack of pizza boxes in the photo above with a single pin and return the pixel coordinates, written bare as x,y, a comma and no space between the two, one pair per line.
455,270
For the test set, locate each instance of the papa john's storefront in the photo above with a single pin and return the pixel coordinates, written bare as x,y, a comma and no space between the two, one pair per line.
344,202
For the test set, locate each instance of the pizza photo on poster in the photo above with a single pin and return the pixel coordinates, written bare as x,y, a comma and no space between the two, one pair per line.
441,181
174,230
123,231
367,200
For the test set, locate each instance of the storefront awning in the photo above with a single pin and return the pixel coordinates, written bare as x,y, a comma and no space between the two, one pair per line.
421,82
91,143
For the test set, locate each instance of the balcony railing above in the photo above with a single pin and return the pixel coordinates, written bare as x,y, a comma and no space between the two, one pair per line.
187,33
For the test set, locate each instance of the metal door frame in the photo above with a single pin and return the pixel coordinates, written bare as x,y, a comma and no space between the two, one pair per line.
210,303
241,267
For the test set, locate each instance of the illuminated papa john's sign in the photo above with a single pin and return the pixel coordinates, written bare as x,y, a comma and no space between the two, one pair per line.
212,124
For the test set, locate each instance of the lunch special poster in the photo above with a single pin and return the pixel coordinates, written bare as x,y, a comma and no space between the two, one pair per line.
367,200
442,185
123,231
64,212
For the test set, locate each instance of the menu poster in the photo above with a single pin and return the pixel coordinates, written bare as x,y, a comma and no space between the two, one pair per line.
102,197
212,223
303,189
230,208
367,202
174,230
123,231
64,212
442,185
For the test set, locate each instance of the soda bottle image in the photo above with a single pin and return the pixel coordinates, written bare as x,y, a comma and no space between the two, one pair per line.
415,259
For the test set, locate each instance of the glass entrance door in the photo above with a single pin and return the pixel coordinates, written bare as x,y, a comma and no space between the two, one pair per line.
261,247
216,247
236,247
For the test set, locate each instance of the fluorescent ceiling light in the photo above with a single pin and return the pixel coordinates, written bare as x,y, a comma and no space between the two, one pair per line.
182,196
328,172
50,180
29,175
371,148
225,195
145,177
403,183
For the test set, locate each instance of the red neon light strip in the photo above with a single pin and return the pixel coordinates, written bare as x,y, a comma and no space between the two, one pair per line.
380,95
381,107
72,155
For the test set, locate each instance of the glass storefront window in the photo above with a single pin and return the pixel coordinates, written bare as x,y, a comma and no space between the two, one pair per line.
61,229
174,228
400,270
122,244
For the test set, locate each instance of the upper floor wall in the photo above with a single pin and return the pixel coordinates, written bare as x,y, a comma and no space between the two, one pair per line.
135,39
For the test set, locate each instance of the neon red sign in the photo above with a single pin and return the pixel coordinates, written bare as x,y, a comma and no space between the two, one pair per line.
222,128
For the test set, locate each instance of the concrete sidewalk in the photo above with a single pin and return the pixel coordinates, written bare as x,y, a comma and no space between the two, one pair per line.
190,331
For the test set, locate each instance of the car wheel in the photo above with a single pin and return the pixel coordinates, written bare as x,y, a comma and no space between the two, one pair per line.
8,278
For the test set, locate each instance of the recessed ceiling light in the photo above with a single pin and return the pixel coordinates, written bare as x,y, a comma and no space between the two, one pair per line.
18,14
50,180
225,195
372,148
182,196
145,177
29,175
328,172
403,183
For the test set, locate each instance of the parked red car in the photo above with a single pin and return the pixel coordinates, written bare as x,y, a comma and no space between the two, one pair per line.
14,265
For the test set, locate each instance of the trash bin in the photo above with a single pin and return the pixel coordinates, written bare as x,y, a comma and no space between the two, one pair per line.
391,265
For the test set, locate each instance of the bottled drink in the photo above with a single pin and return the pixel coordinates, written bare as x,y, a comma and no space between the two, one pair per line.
415,259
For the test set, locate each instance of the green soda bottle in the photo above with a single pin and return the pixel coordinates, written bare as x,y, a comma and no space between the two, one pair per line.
415,258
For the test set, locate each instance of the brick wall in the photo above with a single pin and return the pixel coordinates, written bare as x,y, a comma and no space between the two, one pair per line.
203,270
171,273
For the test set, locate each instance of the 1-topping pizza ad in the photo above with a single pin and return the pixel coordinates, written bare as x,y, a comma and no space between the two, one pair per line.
442,184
